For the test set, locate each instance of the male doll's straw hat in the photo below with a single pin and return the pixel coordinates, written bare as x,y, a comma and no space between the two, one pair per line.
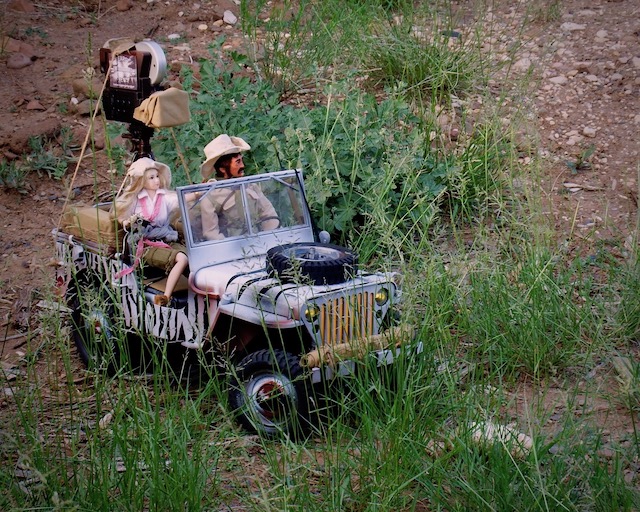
220,146
138,168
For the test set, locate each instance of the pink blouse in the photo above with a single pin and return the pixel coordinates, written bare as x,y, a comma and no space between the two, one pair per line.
156,210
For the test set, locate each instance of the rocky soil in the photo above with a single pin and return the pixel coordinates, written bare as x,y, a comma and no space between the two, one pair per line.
583,66
588,107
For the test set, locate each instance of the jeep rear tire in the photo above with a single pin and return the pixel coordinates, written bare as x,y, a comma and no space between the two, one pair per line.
269,394
102,341
319,263
92,328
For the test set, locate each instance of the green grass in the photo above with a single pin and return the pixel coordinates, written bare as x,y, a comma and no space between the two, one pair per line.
514,331
399,438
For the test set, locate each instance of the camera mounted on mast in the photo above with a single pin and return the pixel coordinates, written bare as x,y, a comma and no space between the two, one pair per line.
135,72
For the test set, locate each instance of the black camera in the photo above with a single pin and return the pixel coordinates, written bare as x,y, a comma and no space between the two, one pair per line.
134,75
135,71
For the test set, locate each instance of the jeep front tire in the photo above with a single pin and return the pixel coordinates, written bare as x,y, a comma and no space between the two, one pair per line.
269,395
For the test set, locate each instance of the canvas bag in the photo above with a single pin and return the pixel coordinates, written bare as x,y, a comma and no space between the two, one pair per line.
164,109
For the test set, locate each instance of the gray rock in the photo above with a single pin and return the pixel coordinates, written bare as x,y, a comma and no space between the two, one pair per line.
229,18
572,27
573,140
86,108
123,5
87,88
21,6
18,61
35,105
522,65
558,80
583,67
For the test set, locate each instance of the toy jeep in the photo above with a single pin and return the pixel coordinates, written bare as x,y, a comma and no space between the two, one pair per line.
281,310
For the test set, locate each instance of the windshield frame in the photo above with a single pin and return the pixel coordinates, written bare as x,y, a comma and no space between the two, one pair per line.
203,252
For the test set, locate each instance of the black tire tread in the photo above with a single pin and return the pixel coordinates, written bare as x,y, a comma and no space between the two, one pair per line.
275,360
334,271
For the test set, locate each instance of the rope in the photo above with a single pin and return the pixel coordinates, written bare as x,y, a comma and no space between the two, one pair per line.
84,145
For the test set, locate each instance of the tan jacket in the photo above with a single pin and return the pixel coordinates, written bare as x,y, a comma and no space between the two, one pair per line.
223,214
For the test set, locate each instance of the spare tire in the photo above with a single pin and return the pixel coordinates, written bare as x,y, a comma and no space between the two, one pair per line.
316,262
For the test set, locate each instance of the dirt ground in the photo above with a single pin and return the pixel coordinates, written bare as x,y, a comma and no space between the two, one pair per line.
585,120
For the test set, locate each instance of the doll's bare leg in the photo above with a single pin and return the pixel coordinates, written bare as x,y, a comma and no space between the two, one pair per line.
172,279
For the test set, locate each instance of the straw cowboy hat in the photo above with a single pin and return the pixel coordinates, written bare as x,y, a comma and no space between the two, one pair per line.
220,146
137,169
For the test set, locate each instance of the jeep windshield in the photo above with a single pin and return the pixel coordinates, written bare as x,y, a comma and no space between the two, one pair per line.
243,217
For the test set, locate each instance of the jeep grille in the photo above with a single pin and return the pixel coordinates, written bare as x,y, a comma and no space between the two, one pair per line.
347,318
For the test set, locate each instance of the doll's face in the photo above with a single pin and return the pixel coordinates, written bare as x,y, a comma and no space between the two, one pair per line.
231,166
151,179
236,166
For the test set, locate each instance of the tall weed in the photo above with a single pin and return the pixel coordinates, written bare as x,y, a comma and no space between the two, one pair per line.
525,318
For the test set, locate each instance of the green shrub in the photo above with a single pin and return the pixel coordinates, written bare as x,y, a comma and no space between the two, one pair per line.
13,175
366,160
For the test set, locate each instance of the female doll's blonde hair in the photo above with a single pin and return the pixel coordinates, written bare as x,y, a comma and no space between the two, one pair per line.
134,183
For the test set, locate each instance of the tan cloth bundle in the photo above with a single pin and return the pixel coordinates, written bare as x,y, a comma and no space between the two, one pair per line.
93,224
164,109
358,348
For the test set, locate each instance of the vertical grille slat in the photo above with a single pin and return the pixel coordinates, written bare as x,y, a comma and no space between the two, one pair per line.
345,318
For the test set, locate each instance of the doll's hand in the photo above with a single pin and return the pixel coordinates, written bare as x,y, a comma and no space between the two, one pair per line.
133,220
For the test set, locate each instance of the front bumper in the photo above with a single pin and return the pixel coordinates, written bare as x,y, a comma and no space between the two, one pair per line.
328,361
383,357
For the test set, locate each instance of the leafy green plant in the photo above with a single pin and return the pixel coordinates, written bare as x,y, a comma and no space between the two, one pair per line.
45,156
368,163
13,175
582,161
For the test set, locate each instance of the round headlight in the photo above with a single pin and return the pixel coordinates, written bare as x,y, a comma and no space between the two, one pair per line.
311,313
382,296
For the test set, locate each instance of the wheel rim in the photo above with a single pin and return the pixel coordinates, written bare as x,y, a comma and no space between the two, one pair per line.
272,398
97,325
98,337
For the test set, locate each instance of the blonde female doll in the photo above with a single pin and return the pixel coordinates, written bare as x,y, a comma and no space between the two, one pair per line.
146,198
